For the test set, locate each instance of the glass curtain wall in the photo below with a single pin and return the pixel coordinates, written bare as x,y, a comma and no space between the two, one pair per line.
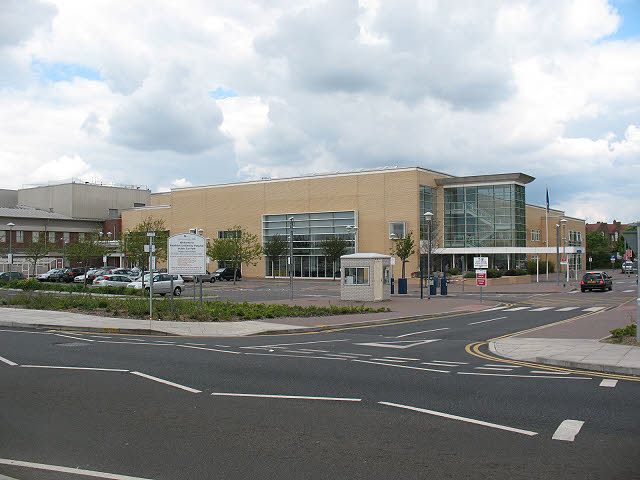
427,204
309,231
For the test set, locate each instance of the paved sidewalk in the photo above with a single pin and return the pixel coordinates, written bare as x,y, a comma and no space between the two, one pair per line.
576,343
401,309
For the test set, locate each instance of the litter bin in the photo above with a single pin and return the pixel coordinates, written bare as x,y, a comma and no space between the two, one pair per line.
392,285
443,285
433,286
402,286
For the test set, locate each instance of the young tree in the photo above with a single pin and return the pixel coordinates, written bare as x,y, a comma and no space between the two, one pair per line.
274,248
34,251
242,247
403,248
135,240
333,248
86,250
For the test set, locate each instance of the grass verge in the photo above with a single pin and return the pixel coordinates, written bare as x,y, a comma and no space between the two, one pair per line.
183,310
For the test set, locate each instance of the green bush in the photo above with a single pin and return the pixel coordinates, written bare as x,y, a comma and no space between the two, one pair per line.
32,284
515,272
470,274
628,331
183,309
454,271
494,273
542,267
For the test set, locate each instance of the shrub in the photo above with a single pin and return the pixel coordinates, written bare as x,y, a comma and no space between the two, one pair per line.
454,271
628,331
542,267
470,275
32,284
493,273
515,272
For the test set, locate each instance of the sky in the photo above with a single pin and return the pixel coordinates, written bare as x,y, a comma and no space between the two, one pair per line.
171,94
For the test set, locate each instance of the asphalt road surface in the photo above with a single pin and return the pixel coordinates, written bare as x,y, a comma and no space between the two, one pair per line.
395,401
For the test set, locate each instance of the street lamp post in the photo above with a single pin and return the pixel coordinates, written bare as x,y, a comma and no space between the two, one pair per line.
64,251
637,283
558,254
393,237
10,225
428,216
564,250
291,258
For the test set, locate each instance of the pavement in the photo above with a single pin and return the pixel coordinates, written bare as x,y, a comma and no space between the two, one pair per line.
577,343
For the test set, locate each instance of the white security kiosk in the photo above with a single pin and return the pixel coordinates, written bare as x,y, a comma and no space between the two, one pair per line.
365,277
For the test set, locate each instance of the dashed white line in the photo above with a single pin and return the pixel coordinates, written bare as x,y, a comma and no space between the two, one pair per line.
628,291
135,339
196,344
166,382
423,331
433,364
447,361
75,471
548,372
501,369
494,308
608,382
310,350
521,376
541,309
568,430
516,309
388,360
566,309
490,320
7,361
593,309
75,368
402,358
403,366
292,397
222,346
340,355
75,338
501,365
294,356
355,354
462,419
208,349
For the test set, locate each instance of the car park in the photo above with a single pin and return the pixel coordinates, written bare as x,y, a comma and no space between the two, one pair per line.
161,284
596,280
226,274
70,274
111,280
207,277
6,276
47,276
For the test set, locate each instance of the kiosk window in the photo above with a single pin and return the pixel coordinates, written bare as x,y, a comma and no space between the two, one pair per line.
356,276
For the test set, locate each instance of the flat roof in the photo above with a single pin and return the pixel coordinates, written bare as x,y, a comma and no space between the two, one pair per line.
518,177
30,212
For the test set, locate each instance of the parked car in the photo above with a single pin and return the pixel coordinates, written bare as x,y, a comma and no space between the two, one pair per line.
161,284
91,275
111,280
46,277
80,278
596,280
629,266
208,277
226,274
71,273
6,276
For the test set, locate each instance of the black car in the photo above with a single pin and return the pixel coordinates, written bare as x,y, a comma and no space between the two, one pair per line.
596,280
59,275
71,273
226,274
6,276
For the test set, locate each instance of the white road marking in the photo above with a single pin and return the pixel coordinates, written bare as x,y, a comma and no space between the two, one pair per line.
293,397
502,365
462,419
24,331
490,320
566,309
494,308
541,309
7,361
568,430
294,356
75,471
135,339
593,309
403,366
501,369
166,382
608,382
298,343
75,338
99,336
548,372
433,364
310,350
355,354
340,355
208,349
628,291
423,331
520,376
127,343
447,361
76,368
516,309
400,344
196,344
402,358
573,291
222,346
388,360
160,342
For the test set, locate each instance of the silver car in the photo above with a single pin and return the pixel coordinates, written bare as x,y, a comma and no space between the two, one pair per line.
112,281
161,284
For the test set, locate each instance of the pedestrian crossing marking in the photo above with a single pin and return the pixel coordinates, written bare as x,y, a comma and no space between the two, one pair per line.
541,309
515,309
593,309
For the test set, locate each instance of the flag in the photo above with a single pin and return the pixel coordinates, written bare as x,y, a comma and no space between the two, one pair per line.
547,200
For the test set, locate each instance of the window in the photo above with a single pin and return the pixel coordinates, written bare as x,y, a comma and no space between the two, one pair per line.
35,237
356,276
3,236
19,236
228,233
535,235
397,229
52,237
137,204
114,213
81,237
66,237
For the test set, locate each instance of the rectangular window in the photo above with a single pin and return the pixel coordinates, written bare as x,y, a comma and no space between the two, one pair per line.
535,235
397,229
66,237
228,233
35,237
52,237
19,236
3,236
137,204
81,237
356,276
114,213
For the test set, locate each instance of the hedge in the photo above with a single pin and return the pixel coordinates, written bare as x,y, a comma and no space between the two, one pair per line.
32,284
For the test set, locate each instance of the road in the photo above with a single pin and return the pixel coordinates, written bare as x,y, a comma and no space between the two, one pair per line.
392,401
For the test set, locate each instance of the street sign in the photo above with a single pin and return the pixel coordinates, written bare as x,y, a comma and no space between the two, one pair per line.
186,254
481,262
481,278
146,248
590,259
564,260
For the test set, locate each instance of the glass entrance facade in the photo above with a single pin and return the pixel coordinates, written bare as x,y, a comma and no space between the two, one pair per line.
309,231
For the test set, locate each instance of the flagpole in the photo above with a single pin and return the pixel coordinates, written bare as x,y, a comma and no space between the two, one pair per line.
546,230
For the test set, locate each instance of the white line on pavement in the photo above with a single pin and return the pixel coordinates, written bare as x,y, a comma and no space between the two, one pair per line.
494,308
541,309
196,344
75,471
593,309
75,338
403,366
355,354
516,309
208,349
423,331
548,372
628,291
447,361
502,365
566,309
99,336
76,368
388,360
339,355
7,361
433,364
520,376
608,382
135,339
222,346
568,430
298,343
294,356
501,369
310,350
490,320
293,397
402,358
166,382
462,419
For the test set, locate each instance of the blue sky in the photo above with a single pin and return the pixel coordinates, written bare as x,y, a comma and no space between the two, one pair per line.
629,10
61,72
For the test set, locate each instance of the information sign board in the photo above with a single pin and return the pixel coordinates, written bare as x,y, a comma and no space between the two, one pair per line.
480,262
481,278
186,254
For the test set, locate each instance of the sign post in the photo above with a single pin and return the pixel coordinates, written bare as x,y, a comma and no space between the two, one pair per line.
590,260
481,280
151,236
613,261
187,255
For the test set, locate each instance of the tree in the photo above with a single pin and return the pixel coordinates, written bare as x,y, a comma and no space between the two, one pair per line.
403,248
242,247
333,248
598,248
34,251
135,240
86,250
274,248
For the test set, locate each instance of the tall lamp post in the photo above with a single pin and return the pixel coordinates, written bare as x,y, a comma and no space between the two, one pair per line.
291,258
393,237
10,225
637,283
64,251
427,216
564,250
558,254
